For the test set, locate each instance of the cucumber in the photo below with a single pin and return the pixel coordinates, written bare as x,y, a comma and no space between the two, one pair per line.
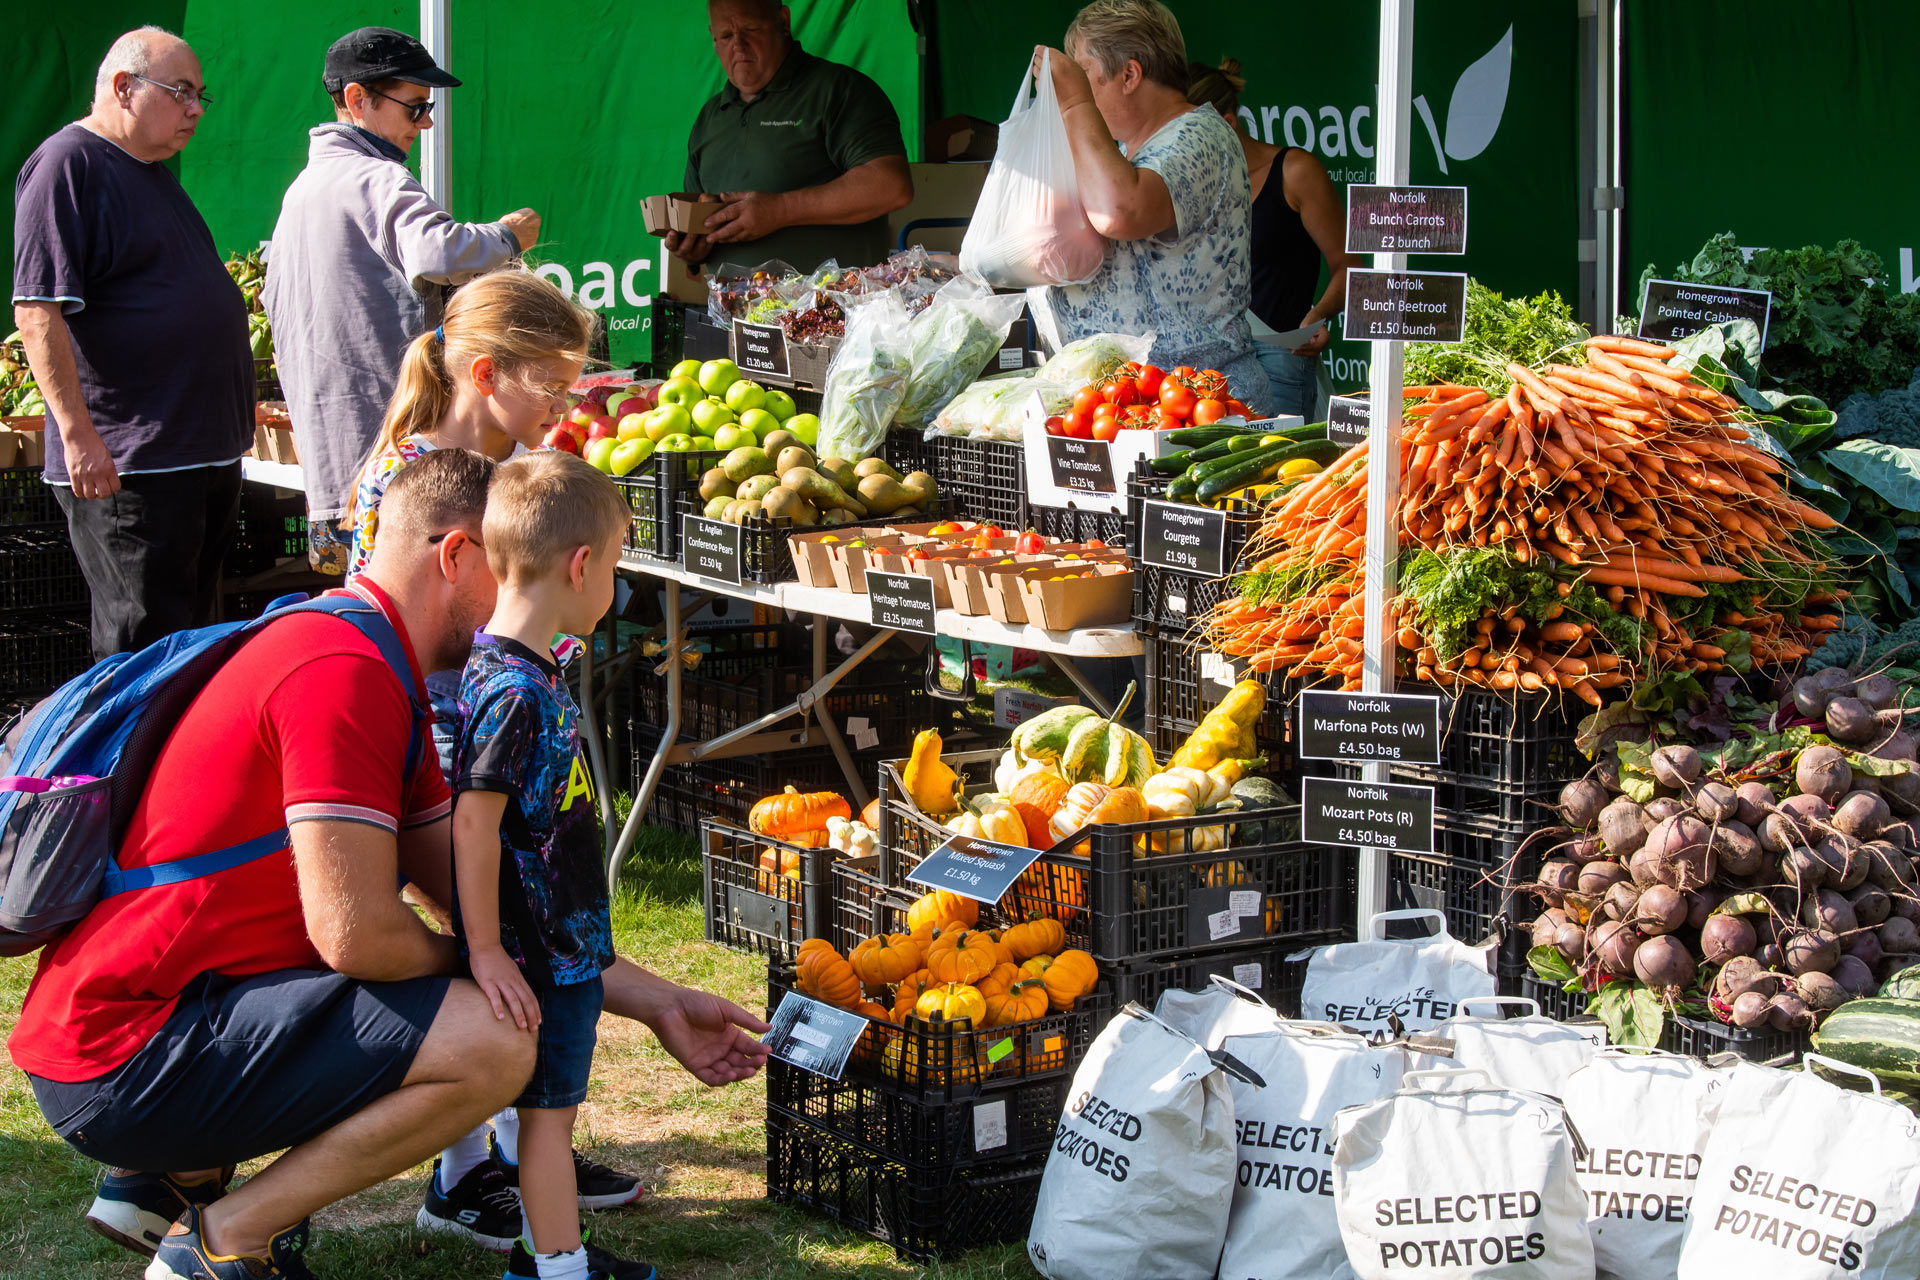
1191,436
1904,985
1879,1034
1183,489
1175,463
1243,469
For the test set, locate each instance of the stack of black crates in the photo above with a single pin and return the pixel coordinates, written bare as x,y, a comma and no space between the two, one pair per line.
44,630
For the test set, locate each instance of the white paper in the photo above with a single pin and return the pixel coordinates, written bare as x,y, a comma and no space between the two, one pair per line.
1179,605
990,1125
1291,338
1247,975
1244,902
1222,924
1010,357
865,736
818,1039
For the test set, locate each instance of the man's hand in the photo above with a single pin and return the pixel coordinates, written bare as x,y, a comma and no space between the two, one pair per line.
689,248
745,215
89,465
709,1036
525,225
1070,84
506,987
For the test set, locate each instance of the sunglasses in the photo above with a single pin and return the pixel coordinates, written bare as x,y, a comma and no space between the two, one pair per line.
416,111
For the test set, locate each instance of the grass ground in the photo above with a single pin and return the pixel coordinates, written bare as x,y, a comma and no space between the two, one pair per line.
701,1151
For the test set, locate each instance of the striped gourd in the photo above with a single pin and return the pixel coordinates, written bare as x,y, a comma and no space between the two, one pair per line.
1880,1034
1904,985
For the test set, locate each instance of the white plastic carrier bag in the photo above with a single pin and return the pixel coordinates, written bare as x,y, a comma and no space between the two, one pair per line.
1805,1180
1029,227
1528,1052
1283,1221
1644,1116
1220,1009
1449,1181
1140,1178
1421,981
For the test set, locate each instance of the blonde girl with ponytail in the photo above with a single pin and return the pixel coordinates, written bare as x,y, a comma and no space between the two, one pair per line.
493,376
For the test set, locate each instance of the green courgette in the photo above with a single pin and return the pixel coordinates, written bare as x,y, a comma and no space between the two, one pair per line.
1189,437
1183,488
1255,466
1175,463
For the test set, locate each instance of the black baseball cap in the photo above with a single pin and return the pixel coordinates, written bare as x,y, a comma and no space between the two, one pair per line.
380,53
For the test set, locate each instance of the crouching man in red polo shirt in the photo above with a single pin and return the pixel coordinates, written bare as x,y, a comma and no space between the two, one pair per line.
296,1002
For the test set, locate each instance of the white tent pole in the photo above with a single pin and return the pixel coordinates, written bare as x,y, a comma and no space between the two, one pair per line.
1395,114
436,164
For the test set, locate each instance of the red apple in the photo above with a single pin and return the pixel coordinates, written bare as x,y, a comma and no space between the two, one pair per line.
562,439
602,428
584,413
600,395
577,429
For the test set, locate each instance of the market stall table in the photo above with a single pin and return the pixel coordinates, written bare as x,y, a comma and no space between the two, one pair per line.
1059,648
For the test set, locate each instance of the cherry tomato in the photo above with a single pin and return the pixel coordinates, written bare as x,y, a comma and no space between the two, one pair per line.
1095,544
1086,398
1105,410
1176,401
1236,409
1147,382
1206,412
1076,424
1029,544
1054,427
992,531
1106,428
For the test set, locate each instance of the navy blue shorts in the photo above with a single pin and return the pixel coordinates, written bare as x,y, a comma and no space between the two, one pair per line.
246,1067
569,1029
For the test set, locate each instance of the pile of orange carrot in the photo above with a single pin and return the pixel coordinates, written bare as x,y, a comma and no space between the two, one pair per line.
1625,471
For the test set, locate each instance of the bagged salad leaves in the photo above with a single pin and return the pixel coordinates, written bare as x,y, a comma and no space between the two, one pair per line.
867,379
995,408
951,342
1093,357
757,295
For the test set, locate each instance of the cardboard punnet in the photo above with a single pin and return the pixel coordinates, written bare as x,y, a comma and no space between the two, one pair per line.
1101,600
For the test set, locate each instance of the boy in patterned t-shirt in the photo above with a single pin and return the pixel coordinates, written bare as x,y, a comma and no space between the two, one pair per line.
530,903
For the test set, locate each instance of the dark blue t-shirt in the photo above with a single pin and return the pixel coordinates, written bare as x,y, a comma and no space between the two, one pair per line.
159,328
518,738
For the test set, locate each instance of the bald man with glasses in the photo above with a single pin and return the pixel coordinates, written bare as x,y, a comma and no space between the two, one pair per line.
360,263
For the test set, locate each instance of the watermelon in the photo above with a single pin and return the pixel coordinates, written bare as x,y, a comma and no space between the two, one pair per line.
1904,985
1879,1034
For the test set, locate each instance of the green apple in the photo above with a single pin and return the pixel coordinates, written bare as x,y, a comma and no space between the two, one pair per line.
710,415
806,426
704,444
685,369
616,404
746,394
760,422
629,454
678,442
682,391
780,404
599,453
717,375
668,420
733,435
632,426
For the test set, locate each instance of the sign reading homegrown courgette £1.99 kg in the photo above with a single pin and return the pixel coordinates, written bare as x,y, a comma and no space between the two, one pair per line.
1186,538
1369,815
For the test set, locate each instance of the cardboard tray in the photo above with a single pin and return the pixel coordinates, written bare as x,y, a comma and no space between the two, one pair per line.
1103,600
682,211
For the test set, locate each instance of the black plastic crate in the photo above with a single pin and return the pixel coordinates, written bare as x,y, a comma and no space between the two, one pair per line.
38,654
987,479
269,526
725,790
1016,1121
1150,890
654,491
38,571
1072,524
1699,1037
1177,668
934,1062
909,451
885,698
861,907
1473,880
1263,966
26,498
758,906
1522,743
923,1214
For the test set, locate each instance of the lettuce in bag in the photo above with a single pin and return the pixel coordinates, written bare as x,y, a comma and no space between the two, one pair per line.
951,342
867,379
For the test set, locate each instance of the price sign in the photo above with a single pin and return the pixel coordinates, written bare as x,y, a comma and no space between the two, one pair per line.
977,869
760,348
1083,465
1190,539
901,601
813,1036
1401,727
1406,219
1013,706
1405,306
1367,815
1348,418
1671,309
710,548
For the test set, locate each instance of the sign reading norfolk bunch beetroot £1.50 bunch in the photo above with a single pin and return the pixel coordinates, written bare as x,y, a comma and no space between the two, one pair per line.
1406,306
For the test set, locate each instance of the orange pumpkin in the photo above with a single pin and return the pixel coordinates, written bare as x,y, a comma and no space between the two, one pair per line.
790,814
874,1039
1044,791
775,863
938,907
1071,975
952,1001
870,816
824,974
1221,875
1039,824
1040,935
963,957
908,992
1003,954
927,1054
1000,981
1051,889
1024,1001
1036,966
886,959
811,944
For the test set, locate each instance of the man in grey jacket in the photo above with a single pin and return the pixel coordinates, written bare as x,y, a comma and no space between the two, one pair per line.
359,265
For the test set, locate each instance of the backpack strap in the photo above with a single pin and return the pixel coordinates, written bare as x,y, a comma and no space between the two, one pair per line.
117,881
373,624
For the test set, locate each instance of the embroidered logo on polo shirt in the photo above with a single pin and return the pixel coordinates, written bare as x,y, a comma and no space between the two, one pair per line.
780,124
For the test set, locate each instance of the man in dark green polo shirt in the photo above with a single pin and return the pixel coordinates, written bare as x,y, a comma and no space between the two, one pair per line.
805,153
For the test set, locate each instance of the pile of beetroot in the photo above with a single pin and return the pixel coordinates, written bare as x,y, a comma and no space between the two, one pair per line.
1772,891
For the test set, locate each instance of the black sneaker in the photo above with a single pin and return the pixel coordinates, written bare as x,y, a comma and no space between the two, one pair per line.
136,1209
482,1206
597,1186
183,1256
601,1265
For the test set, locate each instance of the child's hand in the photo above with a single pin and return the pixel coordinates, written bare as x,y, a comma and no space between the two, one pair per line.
505,988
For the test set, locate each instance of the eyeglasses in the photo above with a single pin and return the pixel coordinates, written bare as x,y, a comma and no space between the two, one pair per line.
415,110
434,539
181,94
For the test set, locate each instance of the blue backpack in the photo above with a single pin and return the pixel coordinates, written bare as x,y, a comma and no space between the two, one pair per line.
73,771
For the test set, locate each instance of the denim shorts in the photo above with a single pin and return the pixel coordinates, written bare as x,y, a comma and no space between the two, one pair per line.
1295,382
569,1028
